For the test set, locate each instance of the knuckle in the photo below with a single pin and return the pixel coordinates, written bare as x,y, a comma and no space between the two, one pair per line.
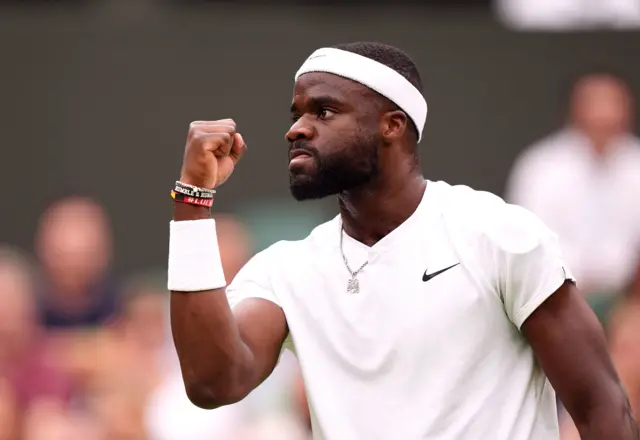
203,141
228,121
193,132
227,130
195,126
197,138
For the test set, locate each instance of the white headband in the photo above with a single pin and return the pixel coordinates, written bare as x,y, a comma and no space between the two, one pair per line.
372,74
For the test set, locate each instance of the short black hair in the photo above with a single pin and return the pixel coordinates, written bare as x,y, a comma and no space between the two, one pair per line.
391,57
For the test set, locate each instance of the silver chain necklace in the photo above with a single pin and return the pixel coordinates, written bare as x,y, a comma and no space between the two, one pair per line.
353,286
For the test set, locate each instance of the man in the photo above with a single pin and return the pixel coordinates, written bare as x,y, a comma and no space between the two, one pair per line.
421,311
583,182
74,243
568,15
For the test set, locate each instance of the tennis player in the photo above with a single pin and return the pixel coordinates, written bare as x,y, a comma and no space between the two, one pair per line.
422,311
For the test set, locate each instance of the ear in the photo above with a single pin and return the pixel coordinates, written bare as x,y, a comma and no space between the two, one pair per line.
394,125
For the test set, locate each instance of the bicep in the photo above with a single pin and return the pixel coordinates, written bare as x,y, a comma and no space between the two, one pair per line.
570,345
263,329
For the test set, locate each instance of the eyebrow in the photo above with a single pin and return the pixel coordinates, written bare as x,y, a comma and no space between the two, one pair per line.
319,101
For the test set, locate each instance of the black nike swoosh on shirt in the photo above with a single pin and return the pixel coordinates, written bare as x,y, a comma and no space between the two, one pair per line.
426,277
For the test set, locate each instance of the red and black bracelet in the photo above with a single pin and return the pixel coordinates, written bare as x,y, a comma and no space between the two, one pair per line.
178,197
193,195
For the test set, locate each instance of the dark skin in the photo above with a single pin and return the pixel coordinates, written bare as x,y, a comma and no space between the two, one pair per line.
225,354
372,211
570,345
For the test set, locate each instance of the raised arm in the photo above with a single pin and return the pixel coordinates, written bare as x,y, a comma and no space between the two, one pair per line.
224,353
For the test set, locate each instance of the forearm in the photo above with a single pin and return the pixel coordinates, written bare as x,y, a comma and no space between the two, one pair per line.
215,362
609,422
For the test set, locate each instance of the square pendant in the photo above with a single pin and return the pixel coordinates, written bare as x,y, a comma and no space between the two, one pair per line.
353,286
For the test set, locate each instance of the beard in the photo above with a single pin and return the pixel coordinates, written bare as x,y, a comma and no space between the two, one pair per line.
353,165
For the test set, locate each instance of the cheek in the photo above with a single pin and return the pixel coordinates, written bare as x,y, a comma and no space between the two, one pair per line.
342,132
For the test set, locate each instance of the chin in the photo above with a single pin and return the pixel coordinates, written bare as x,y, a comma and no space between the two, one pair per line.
304,187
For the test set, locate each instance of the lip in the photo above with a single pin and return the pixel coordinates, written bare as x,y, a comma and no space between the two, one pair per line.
298,153
298,159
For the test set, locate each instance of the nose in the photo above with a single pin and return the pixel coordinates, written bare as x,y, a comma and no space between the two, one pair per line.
301,129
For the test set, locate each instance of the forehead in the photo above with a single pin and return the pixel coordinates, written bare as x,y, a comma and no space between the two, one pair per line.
314,84
597,87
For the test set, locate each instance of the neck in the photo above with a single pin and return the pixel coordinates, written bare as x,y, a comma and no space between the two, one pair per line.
373,211
600,140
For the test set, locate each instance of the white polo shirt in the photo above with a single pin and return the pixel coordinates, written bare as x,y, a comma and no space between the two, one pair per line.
407,359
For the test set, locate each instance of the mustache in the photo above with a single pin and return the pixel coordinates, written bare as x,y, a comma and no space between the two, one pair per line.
303,145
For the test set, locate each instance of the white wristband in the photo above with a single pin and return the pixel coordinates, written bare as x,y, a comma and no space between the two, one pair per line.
194,256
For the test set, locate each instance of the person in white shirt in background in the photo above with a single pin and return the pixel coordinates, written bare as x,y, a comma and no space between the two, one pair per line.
584,182
568,15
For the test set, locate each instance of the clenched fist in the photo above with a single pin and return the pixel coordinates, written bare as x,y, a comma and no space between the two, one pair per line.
213,149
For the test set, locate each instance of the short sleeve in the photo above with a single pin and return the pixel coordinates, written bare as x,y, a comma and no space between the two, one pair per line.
254,280
532,266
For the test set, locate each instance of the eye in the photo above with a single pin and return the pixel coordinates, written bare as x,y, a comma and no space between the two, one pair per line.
325,113
294,118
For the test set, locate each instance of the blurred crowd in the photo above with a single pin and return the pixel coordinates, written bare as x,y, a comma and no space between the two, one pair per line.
87,355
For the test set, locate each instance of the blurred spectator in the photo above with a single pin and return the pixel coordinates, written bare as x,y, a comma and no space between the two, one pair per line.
121,376
128,363
584,182
170,415
279,426
49,420
273,219
74,244
9,429
288,420
236,244
30,372
562,15
300,403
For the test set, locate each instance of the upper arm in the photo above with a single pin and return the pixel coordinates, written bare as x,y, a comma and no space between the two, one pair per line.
570,345
542,300
263,329
540,297
530,263
258,313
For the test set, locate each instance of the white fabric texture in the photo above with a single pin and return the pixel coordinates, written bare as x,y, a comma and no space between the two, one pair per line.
194,256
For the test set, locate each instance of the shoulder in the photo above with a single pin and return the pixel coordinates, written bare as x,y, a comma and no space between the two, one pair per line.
549,149
287,251
483,216
631,149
